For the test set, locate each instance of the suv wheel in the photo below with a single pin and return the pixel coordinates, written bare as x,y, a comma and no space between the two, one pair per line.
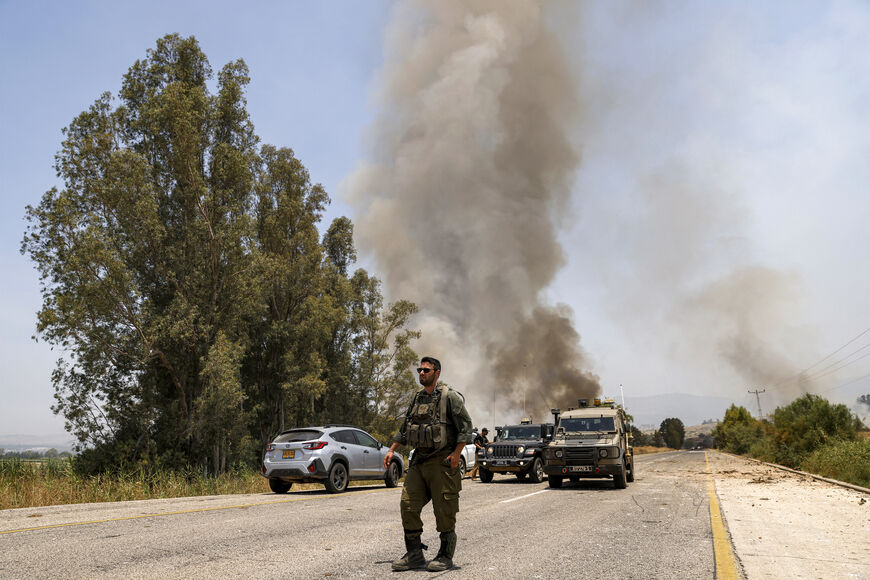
336,481
462,467
392,476
555,481
629,477
536,473
485,475
279,486
619,479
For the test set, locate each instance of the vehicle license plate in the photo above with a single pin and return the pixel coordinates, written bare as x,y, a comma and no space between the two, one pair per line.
501,462
289,453
581,468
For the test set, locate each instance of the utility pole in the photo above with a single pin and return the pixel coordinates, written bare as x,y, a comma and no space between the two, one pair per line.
756,392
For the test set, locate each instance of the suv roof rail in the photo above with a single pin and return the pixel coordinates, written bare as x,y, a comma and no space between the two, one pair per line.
342,425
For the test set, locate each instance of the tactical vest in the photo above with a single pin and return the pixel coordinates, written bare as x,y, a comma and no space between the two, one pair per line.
428,422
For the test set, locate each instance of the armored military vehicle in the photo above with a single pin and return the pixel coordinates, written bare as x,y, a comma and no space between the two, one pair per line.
590,441
516,449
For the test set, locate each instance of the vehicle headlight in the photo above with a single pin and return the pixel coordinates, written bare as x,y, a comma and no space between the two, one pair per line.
602,452
489,451
520,450
558,453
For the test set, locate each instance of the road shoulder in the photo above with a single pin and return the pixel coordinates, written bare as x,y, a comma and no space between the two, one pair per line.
785,525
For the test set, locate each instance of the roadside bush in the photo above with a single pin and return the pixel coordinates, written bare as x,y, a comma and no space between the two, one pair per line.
810,422
847,461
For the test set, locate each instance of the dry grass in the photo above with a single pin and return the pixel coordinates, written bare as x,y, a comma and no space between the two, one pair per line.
33,484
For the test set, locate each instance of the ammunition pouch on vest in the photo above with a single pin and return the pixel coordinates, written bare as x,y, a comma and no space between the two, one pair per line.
428,422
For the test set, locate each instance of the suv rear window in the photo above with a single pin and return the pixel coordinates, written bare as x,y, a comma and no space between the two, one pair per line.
300,435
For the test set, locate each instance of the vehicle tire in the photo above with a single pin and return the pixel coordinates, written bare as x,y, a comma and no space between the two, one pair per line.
629,477
391,478
536,473
336,481
485,475
619,479
555,481
279,486
461,467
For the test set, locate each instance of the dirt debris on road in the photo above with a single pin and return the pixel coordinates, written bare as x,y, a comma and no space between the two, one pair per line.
789,525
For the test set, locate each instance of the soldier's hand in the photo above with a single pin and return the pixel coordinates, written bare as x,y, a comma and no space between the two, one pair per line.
387,458
454,460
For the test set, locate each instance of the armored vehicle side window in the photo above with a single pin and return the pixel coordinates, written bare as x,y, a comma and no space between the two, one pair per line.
587,424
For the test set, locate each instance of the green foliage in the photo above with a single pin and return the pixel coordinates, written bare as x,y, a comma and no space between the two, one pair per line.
672,432
847,461
738,431
183,275
811,421
799,430
638,438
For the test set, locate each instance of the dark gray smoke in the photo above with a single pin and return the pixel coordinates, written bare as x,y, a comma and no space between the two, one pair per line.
461,206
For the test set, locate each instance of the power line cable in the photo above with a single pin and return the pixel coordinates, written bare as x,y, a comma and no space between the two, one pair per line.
823,359
822,372
855,380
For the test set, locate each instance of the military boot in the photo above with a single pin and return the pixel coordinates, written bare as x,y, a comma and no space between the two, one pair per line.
444,559
414,557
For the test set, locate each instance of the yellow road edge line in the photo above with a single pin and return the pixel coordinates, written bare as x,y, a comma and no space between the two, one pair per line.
726,563
175,513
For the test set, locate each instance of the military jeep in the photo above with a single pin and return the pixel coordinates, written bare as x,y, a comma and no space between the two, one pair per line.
516,449
590,441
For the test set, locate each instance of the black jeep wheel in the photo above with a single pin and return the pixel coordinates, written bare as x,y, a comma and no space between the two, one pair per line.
536,473
279,486
336,481
555,481
391,478
629,477
485,475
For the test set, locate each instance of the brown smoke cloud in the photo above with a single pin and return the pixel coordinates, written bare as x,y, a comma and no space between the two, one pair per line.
460,207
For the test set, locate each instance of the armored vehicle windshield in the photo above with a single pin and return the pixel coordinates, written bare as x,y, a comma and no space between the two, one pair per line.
576,424
516,432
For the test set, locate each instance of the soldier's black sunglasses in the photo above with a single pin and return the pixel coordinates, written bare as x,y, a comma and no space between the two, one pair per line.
424,371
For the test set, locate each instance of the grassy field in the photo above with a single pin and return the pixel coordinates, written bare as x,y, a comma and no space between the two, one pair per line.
52,482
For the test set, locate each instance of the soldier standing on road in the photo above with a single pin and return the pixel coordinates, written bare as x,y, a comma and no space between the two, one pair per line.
438,427
479,443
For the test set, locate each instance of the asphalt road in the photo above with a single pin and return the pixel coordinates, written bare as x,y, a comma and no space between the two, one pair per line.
657,528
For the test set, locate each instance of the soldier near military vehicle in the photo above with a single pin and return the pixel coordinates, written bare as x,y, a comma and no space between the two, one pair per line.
438,427
516,449
590,442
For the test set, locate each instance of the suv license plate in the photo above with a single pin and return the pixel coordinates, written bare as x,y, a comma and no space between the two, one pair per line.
581,468
501,462
289,454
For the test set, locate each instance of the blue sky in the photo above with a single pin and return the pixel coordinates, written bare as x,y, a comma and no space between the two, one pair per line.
723,146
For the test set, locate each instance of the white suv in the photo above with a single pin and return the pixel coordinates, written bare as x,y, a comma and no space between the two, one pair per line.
332,454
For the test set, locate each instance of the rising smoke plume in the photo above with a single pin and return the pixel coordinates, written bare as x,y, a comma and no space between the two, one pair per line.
460,207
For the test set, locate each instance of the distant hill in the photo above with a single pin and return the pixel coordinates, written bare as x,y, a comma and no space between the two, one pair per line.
650,411
18,442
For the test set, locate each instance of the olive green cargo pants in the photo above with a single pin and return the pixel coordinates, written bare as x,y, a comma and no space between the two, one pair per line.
431,479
